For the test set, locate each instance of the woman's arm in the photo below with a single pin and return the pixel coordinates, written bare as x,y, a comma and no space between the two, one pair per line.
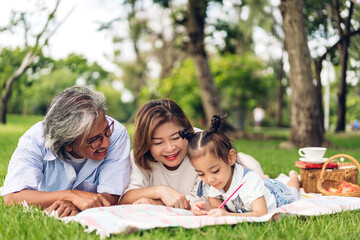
169,196
133,195
139,188
112,198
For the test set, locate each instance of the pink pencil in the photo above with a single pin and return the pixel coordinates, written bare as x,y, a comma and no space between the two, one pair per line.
230,196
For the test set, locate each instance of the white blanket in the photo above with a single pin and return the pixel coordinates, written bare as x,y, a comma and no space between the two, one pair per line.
129,218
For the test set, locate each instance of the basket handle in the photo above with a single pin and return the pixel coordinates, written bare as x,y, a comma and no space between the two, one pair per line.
338,156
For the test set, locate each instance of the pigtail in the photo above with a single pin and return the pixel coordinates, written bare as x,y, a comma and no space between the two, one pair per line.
186,134
215,123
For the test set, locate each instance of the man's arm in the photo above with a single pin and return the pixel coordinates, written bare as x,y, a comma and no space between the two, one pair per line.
81,199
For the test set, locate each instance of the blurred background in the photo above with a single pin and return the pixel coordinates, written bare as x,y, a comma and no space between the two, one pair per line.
211,57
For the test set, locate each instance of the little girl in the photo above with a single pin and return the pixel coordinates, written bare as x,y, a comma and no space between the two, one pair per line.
213,158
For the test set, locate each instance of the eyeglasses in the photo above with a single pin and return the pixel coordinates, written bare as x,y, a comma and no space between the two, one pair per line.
99,140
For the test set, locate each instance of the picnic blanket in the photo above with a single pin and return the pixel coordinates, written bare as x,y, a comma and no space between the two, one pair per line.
130,218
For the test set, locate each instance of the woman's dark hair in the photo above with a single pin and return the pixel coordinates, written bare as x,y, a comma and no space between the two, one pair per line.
210,141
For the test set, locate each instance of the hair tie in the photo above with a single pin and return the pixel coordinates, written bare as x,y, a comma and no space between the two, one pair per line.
186,134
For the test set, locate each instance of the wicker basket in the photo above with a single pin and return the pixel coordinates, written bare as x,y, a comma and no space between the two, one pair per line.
310,177
334,178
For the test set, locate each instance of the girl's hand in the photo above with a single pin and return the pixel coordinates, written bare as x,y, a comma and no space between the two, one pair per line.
199,208
218,212
258,206
149,201
63,208
173,198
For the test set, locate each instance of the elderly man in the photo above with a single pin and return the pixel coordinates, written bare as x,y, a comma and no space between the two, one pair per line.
77,158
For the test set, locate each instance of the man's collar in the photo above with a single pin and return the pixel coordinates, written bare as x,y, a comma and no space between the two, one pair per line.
49,156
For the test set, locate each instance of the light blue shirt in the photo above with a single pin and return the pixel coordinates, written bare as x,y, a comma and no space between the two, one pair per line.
32,166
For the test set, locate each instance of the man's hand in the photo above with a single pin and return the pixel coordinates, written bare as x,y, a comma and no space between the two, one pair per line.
84,200
63,208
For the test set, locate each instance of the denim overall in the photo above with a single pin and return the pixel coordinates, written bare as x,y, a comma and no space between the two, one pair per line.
280,191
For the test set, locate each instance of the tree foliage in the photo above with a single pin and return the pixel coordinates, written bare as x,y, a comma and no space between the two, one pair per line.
46,77
41,39
241,80
117,108
93,74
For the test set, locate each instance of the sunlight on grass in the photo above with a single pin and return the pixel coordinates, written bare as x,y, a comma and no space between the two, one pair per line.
21,223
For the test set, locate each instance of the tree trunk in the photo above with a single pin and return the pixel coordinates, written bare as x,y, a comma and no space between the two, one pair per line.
306,127
280,96
344,53
195,27
28,59
341,109
318,90
3,110
135,28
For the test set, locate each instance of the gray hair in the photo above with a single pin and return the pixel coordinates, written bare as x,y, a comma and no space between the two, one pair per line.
71,114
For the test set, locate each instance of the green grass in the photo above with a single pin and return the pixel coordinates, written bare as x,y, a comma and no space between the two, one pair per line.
21,223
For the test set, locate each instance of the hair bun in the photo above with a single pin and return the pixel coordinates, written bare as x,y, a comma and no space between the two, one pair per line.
186,134
215,123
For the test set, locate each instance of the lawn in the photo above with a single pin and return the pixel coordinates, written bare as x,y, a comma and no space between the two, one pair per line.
22,223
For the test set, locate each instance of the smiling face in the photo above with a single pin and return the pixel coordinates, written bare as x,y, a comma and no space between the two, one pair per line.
214,171
167,146
81,149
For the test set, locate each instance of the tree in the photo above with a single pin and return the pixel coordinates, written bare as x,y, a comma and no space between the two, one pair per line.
92,75
339,15
46,77
181,86
10,59
344,54
37,96
242,84
117,109
280,93
135,72
306,129
196,15
41,40
233,34
240,80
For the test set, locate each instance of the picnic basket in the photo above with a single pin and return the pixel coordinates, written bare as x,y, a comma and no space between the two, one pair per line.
346,172
309,179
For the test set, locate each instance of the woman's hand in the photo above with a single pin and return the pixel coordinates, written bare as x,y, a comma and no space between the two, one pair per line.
200,208
173,198
63,208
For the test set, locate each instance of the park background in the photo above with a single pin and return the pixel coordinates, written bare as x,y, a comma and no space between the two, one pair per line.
297,59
